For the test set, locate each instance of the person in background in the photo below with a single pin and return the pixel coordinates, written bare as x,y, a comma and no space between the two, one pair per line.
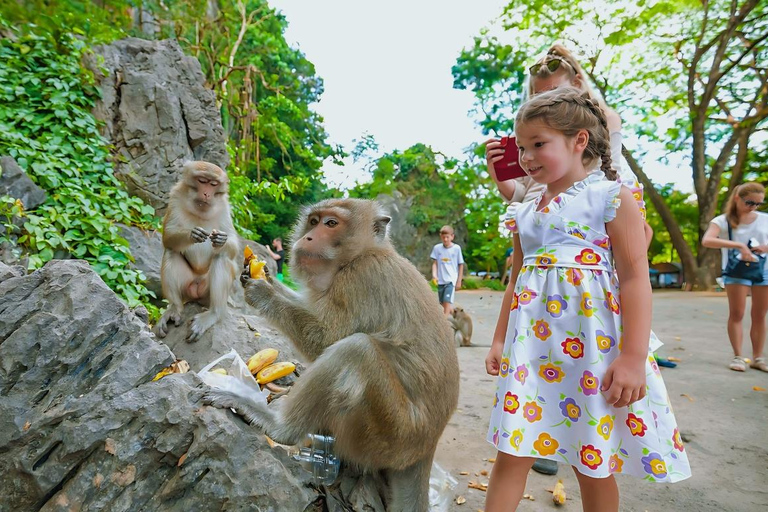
749,237
278,255
447,268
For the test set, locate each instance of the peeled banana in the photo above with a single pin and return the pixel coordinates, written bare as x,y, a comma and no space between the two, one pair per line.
261,360
275,371
558,493
255,266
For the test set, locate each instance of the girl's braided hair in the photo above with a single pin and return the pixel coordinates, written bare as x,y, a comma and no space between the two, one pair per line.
568,110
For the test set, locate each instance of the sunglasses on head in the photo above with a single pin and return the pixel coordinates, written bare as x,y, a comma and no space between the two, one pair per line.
753,203
552,65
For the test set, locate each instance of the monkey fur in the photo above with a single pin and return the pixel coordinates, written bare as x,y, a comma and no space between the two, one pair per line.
385,377
201,257
462,326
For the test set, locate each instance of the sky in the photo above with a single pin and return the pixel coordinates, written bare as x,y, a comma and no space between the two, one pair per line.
386,68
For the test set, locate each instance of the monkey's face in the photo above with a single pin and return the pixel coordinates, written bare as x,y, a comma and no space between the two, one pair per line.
317,250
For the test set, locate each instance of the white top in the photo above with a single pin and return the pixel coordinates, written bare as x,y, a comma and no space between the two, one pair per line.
448,261
527,189
757,229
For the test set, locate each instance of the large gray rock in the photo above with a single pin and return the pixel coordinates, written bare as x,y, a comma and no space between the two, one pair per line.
415,244
157,114
15,183
83,427
147,251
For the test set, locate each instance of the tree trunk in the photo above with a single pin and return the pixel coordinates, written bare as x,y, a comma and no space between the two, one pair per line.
690,265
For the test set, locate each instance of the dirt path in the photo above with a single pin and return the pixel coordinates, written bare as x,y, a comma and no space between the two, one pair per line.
724,421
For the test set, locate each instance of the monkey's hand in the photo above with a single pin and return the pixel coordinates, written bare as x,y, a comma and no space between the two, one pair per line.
199,235
258,292
218,238
252,412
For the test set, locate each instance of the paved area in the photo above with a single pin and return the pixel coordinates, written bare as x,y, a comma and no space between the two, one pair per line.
724,421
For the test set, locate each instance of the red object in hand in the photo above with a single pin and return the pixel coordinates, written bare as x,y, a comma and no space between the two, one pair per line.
508,168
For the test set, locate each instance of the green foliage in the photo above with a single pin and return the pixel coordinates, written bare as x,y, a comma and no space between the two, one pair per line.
46,125
683,206
418,173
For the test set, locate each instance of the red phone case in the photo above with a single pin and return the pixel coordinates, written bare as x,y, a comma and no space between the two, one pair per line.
508,168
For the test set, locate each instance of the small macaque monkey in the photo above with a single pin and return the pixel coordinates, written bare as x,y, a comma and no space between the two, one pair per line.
201,260
384,377
462,326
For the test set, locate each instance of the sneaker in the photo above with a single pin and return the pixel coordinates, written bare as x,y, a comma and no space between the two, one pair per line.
759,364
545,466
738,364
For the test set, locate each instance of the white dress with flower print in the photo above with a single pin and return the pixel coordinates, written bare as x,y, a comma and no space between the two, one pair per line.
564,331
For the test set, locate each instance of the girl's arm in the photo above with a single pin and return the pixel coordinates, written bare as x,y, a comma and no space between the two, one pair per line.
624,381
493,359
711,239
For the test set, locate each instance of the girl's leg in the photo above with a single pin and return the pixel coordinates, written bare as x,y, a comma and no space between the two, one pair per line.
598,494
759,310
507,482
737,302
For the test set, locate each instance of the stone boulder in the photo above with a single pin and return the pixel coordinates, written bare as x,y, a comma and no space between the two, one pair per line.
14,182
83,427
157,113
412,242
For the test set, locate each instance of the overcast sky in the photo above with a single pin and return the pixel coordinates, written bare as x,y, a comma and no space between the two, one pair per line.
386,67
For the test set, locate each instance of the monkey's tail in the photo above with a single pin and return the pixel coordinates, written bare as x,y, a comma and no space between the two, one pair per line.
409,487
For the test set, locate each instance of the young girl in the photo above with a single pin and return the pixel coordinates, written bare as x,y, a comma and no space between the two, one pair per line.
559,68
577,379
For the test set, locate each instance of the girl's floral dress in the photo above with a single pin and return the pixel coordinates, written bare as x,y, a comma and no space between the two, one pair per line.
564,331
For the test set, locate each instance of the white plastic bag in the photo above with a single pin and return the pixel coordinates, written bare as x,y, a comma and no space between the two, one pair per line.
441,486
238,379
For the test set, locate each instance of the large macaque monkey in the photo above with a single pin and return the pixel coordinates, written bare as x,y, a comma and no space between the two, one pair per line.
202,252
385,377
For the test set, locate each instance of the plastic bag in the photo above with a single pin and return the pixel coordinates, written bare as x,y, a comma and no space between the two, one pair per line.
441,486
238,379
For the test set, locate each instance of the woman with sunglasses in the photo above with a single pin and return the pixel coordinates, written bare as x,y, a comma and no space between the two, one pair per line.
748,236
560,68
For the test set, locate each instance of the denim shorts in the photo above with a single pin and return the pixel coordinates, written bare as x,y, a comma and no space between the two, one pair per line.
445,293
747,282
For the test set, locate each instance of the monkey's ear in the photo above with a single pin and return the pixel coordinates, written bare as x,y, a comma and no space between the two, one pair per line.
380,226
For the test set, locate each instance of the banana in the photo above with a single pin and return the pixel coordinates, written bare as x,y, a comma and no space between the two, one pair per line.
558,493
275,371
262,359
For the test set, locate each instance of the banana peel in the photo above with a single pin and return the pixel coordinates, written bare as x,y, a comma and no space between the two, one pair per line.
178,366
558,493
255,265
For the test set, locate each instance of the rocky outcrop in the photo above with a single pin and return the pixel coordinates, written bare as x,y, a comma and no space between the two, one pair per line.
157,114
83,427
412,242
14,182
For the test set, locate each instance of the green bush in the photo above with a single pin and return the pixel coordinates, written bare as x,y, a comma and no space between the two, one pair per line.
46,126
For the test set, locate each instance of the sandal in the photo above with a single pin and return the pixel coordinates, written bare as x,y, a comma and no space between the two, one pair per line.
739,365
759,364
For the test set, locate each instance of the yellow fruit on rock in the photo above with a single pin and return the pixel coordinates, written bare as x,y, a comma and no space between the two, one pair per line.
220,371
261,360
275,371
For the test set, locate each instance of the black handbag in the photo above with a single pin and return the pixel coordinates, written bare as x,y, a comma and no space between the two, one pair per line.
740,269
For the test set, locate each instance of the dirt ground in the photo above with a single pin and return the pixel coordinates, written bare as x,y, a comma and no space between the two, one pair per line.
723,420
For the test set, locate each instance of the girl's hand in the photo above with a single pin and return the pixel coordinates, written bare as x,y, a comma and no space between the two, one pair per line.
746,254
493,153
624,381
493,359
